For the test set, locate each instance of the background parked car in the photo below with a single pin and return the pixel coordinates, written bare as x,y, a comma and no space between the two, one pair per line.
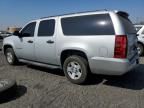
140,33
5,33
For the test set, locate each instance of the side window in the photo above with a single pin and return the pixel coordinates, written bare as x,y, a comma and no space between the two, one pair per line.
46,28
28,30
100,24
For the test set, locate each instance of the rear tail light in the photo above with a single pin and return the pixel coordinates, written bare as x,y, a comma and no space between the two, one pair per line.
120,46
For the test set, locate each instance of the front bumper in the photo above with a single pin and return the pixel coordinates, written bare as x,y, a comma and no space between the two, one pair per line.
112,66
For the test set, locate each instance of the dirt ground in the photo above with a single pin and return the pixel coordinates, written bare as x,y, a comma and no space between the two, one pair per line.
44,88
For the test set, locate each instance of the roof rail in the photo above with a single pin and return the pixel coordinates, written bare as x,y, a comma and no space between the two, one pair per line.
74,13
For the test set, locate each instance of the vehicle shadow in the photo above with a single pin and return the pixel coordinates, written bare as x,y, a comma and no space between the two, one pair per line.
13,94
132,80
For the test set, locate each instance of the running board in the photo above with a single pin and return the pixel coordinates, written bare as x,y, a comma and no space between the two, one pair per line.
39,64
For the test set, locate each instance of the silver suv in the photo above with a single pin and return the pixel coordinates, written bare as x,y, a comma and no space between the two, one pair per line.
140,34
100,42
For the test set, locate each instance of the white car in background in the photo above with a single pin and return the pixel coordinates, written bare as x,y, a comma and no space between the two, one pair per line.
140,33
5,34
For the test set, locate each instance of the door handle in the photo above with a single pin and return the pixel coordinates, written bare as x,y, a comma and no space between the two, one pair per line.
30,41
50,42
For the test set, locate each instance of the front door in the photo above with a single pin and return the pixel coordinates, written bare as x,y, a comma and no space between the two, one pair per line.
26,44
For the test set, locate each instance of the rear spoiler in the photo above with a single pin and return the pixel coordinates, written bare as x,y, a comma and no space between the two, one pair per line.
123,14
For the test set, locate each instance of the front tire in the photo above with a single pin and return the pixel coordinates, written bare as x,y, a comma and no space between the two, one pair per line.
10,56
76,69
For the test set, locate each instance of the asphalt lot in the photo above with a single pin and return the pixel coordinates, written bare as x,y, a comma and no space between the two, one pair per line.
44,88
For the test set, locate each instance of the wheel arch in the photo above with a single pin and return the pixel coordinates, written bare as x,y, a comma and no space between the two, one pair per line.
68,52
7,46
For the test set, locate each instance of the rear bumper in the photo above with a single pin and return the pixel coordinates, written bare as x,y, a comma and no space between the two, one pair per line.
112,66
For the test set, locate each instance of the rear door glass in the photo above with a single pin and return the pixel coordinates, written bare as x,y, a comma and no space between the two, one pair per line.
46,28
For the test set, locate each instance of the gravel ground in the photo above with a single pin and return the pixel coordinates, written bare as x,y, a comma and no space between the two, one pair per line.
45,88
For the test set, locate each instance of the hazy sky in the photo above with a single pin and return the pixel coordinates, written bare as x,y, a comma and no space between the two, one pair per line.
19,12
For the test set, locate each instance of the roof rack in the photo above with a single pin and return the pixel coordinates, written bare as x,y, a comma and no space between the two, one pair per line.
74,13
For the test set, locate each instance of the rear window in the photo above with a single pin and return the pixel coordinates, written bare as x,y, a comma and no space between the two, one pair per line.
100,24
128,26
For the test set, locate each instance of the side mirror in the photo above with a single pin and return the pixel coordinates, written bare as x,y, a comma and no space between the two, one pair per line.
16,33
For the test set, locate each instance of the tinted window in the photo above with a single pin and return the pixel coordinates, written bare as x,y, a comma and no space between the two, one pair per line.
128,26
88,25
46,28
29,29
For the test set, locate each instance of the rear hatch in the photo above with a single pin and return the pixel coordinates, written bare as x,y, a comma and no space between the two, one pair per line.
130,32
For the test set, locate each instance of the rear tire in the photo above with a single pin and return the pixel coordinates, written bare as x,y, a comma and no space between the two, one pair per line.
76,69
140,49
10,56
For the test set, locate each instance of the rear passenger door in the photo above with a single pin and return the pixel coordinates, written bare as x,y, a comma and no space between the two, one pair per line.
45,42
